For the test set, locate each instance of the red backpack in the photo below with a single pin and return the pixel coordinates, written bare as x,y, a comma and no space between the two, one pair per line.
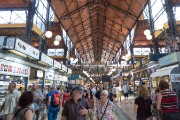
56,98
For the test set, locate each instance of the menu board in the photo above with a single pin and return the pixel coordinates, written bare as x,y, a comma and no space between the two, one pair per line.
11,68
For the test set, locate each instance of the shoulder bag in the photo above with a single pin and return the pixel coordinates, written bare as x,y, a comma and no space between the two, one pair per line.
104,110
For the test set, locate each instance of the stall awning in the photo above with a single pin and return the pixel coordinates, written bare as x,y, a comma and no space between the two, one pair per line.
163,71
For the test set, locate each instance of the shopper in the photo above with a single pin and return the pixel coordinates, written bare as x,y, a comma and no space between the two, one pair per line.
98,93
118,93
38,99
125,89
53,103
167,102
76,107
10,102
92,101
143,104
105,108
23,110
66,96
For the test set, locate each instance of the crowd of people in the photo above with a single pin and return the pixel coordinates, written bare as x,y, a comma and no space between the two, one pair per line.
160,105
90,103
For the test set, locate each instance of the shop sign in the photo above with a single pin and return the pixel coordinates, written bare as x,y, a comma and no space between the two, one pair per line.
46,59
57,64
49,75
25,48
175,77
169,59
11,68
64,68
40,73
69,71
14,43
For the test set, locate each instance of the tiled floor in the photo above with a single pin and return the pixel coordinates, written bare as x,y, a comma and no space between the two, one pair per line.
126,109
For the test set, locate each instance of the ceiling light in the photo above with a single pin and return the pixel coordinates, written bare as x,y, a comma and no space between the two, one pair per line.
58,38
149,37
71,59
147,32
56,42
48,34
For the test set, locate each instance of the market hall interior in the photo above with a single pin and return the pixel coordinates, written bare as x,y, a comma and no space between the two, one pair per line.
84,42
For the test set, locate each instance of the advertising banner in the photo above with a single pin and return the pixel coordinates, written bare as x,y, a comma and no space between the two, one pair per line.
12,68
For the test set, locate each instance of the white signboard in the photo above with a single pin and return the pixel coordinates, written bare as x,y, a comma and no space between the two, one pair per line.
33,52
14,43
21,46
59,52
49,75
10,43
175,77
2,41
46,59
69,71
64,68
12,68
57,64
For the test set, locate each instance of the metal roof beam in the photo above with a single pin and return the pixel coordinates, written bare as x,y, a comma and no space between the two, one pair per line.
122,11
76,10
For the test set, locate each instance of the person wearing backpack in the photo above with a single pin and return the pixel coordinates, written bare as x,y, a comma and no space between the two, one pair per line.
53,103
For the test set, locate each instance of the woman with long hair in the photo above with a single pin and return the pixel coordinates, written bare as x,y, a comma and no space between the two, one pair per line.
66,96
23,110
143,104
90,98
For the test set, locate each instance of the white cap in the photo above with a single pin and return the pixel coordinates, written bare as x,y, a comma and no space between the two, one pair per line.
105,92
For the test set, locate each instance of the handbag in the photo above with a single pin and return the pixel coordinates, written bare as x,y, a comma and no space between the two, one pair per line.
89,116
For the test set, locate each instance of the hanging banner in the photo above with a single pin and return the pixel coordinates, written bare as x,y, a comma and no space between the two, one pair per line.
12,68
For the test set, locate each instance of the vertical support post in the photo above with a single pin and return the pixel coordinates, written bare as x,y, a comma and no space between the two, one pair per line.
171,20
154,40
44,46
29,20
131,50
65,51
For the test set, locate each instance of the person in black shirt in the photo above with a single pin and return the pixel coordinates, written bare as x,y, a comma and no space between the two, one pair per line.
98,93
143,104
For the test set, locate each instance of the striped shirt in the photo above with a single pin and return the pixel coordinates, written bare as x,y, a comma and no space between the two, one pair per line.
169,102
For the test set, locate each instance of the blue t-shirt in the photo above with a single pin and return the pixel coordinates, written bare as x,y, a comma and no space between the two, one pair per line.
51,106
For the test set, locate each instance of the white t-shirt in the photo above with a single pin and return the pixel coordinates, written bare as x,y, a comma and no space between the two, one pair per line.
125,88
118,89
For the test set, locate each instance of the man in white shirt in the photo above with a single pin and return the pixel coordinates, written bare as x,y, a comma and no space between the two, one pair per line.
10,102
125,89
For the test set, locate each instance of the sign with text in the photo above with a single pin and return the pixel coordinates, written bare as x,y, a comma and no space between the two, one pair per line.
11,68
49,75
46,59
57,64
64,68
